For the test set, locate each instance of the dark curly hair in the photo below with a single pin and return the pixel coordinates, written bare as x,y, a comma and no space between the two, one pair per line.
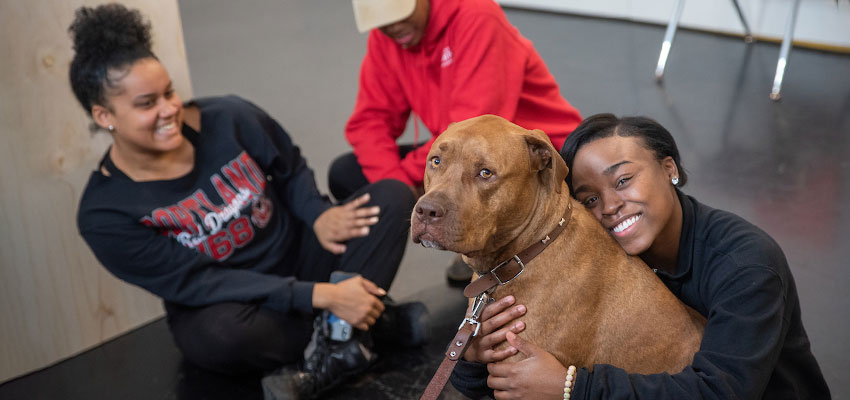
655,138
107,38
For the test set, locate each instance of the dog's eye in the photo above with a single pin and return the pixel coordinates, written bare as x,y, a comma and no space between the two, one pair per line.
485,173
435,161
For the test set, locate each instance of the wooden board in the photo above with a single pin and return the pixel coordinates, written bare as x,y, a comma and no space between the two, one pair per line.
55,299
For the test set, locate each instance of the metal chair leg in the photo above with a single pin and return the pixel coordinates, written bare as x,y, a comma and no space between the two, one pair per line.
668,39
748,35
784,51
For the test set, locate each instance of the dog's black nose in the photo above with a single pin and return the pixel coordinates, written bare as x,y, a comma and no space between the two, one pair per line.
428,211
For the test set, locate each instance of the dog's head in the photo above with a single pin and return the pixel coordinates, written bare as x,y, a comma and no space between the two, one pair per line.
484,179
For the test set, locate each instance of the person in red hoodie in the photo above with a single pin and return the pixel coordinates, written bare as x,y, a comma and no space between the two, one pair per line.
444,61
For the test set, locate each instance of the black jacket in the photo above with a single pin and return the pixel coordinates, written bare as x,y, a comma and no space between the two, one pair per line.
224,232
754,344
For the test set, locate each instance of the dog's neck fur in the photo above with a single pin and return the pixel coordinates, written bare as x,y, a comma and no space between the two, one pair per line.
549,207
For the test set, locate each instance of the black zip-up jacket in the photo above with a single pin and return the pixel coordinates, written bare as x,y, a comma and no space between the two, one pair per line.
754,346
228,231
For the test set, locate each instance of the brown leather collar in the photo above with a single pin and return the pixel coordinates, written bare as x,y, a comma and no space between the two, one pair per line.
513,267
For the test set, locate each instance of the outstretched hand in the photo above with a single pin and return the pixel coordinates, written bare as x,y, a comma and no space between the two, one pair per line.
539,376
342,223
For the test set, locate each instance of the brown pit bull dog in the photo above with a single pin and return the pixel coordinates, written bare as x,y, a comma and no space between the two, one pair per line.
492,189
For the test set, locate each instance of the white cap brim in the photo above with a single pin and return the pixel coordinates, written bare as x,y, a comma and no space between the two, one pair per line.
371,14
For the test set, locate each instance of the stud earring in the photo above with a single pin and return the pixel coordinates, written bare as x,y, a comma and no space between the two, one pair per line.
675,181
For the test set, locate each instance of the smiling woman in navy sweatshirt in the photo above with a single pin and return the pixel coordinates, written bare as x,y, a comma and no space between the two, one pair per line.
210,206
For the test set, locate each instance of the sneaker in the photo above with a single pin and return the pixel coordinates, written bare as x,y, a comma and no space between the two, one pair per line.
459,274
401,325
327,363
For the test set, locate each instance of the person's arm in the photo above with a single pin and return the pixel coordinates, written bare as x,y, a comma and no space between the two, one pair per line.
272,148
282,160
488,69
743,337
379,117
159,264
470,379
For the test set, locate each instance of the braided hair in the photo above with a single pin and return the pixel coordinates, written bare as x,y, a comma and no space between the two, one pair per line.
107,40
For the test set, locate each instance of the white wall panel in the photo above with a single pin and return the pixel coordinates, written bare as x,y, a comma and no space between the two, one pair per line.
824,22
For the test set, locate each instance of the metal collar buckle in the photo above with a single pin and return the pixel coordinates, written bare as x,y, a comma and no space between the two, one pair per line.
521,269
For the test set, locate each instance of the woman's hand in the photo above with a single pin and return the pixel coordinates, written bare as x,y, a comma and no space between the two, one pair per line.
540,376
493,330
342,223
354,300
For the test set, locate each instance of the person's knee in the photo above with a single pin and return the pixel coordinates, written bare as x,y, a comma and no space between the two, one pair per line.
222,348
345,176
394,197
341,166
228,343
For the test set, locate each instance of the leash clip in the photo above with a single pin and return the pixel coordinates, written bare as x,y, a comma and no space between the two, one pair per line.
477,306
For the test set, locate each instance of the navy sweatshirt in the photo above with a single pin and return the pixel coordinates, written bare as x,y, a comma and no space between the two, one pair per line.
225,232
754,344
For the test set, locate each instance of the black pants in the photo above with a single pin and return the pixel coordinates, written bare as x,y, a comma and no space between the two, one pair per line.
237,338
346,175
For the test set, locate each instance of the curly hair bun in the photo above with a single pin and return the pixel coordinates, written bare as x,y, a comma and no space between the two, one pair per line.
105,37
99,32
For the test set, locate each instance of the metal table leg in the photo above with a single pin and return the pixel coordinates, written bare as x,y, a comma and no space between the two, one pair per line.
674,24
668,39
748,35
784,51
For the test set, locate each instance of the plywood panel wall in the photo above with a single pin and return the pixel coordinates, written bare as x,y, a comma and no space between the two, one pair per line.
55,299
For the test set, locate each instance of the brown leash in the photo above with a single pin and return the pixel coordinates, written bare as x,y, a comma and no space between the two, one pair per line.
481,289
467,330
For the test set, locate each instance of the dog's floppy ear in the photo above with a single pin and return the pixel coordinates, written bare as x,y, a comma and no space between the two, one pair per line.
545,158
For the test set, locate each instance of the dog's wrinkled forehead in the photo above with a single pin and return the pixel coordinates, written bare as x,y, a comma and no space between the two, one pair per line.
488,126
477,136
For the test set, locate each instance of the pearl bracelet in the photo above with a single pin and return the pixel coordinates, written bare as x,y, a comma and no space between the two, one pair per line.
568,383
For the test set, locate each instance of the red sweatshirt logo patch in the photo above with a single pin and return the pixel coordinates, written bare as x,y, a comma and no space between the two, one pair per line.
446,58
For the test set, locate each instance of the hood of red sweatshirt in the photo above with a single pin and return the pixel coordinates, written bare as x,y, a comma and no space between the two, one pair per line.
441,13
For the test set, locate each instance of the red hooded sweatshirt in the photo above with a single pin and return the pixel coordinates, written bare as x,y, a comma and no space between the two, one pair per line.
470,61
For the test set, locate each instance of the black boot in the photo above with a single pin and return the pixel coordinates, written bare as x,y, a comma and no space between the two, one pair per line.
401,325
327,363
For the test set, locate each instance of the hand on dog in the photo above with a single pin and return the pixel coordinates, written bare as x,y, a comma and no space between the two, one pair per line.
342,223
494,325
540,376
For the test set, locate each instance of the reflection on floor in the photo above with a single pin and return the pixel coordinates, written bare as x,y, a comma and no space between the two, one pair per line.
784,166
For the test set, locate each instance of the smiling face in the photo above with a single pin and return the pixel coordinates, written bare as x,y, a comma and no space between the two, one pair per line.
628,189
409,31
143,108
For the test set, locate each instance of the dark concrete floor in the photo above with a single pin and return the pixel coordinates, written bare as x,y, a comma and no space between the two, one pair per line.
146,365
784,166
